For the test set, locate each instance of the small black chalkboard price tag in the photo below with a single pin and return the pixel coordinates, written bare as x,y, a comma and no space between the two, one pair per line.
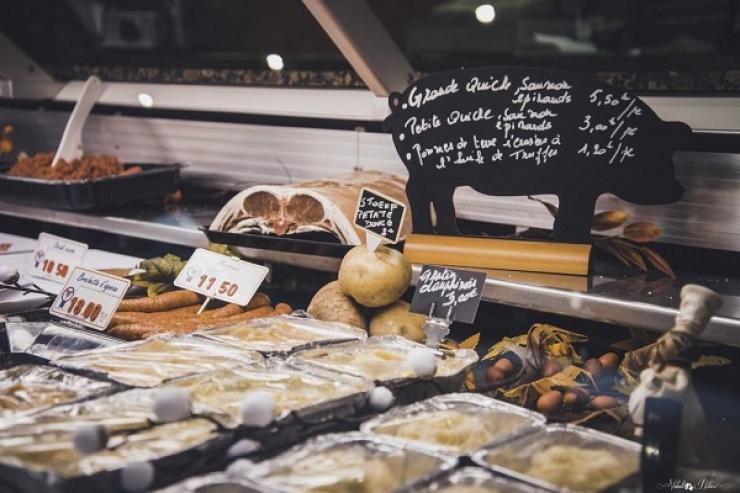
453,291
529,131
379,215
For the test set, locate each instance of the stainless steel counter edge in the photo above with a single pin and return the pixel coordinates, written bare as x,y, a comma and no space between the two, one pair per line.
721,330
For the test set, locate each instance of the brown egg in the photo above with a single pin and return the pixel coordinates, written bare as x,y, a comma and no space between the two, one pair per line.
550,368
550,402
505,365
610,361
494,375
604,402
593,366
575,398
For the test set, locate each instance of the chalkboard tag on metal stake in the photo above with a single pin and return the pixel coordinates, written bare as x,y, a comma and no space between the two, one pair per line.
452,294
380,216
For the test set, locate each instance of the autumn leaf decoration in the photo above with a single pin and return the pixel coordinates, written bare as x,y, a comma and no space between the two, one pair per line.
630,246
6,145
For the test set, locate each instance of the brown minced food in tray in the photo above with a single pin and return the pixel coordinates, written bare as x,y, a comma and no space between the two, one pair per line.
87,168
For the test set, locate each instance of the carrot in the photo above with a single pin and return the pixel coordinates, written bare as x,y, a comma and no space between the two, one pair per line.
161,302
282,309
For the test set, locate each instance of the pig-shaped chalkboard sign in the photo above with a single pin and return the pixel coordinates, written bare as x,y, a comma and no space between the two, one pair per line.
527,131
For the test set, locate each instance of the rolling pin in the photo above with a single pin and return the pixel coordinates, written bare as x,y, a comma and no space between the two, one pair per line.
488,253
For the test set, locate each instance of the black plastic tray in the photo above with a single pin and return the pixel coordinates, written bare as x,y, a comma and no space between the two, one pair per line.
283,243
154,181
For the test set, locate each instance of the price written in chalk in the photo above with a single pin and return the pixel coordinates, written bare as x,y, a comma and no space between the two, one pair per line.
90,298
380,216
55,257
224,278
453,291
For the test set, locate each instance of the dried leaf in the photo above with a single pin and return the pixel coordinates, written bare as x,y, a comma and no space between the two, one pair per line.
471,342
604,221
550,208
710,360
605,244
631,253
657,261
641,232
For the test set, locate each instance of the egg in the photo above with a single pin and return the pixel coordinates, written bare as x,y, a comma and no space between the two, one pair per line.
610,361
575,398
505,365
89,438
593,366
550,368
171,404
550,402
257,409
137,476
243,447
423,362
494,375
604,402
381,398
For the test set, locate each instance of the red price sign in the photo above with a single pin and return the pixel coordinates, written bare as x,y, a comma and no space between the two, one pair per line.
54,257
218,276
90,297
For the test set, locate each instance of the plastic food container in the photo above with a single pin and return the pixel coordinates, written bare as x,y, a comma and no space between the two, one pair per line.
154,181
471,480
32,387
155,360
282,335
40,462
301,393
384,359
456,423
343,462
566,458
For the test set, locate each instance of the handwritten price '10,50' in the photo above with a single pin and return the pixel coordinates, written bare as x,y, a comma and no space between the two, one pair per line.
61,269
226,288
84,309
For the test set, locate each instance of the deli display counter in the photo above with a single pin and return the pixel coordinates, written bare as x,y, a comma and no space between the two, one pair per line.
272,263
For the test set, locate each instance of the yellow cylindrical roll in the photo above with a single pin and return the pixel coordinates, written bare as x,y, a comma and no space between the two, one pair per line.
486,253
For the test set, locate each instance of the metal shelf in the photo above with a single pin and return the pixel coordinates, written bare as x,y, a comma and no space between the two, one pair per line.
629,301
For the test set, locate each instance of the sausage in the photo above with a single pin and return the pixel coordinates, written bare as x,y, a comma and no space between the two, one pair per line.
161,302
281,309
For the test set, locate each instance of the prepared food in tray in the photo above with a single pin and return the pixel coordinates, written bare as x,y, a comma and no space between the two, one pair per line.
456,423
55,454
32,387
566,458
284,334
155,360
123,411
293,387
87,167
387,358
471,480
343,462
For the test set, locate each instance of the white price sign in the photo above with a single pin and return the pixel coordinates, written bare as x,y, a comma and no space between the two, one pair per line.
55,257
90,298
218,276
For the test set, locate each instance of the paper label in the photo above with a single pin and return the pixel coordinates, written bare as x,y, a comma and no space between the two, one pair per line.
223,278
55,257
90,298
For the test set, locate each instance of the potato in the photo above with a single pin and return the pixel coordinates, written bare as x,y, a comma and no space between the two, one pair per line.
330,304
396,319
374,279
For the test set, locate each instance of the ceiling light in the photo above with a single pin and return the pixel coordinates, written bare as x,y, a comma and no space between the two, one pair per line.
485,13
145,100
274,61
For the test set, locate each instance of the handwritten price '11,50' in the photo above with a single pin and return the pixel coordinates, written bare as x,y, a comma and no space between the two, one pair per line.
226,288
61,269
85,309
